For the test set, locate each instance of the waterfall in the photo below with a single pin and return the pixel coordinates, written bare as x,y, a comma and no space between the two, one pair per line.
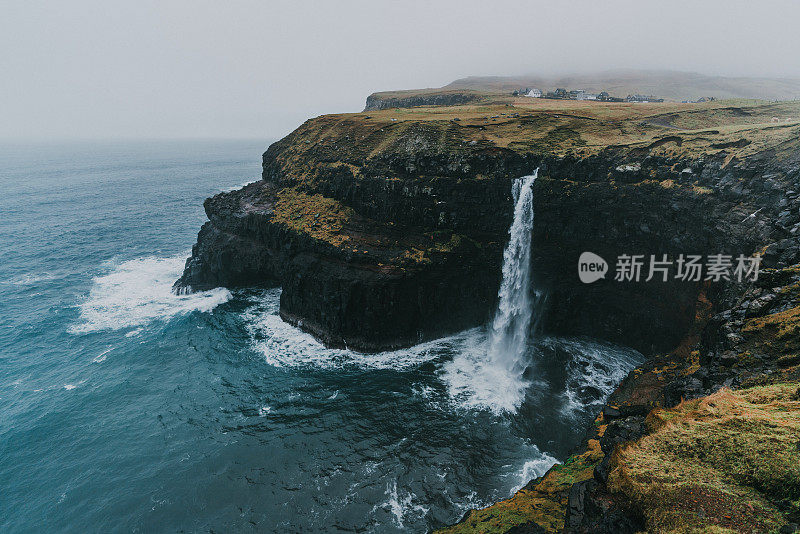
509,335
488,372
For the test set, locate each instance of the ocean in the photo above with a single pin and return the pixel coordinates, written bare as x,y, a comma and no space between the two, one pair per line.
126,408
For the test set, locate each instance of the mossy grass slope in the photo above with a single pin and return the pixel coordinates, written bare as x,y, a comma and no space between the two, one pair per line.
729,461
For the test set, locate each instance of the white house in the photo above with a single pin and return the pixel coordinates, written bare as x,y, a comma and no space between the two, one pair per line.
534,93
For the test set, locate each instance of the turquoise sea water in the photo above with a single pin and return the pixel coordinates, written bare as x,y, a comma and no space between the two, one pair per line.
124,408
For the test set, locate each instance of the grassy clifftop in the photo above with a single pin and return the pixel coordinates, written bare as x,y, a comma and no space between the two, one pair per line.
734,128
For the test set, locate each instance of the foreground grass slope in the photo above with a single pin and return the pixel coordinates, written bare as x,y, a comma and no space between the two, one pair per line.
730,461
541,502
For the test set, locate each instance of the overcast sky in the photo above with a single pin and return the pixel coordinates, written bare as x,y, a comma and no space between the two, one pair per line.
157,69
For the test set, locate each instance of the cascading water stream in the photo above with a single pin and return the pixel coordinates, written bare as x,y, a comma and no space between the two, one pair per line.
509,335
490,374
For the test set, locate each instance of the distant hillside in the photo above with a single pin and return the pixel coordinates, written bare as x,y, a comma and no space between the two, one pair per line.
665,84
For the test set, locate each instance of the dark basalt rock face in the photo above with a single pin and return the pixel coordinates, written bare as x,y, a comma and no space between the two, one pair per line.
639,218
236,247
603,204
369,310
342,297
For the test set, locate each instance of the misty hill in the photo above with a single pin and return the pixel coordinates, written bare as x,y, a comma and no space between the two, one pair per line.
670,85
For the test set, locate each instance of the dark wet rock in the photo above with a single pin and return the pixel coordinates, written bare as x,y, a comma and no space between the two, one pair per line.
591,392
527,528
728,358
610,412
618,432
684,388
379,101
592,509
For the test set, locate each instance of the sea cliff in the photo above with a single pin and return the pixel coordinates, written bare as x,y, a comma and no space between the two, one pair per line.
386,228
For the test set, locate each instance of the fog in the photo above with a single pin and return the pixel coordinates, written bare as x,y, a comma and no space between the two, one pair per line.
84,69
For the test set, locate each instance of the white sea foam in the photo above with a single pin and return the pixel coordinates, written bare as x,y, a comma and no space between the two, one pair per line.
476,381
102,356
532,469
237,187
137,292
29,279
593,371
401,504
133,333
471,502
70,387
284,345
473,381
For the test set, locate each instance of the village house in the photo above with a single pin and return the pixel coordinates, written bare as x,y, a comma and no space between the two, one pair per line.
603,96
581,94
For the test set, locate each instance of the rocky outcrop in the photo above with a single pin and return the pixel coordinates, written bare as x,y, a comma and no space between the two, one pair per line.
378,101
384,289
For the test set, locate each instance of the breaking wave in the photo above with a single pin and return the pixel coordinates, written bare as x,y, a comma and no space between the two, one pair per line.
138,292
284,345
